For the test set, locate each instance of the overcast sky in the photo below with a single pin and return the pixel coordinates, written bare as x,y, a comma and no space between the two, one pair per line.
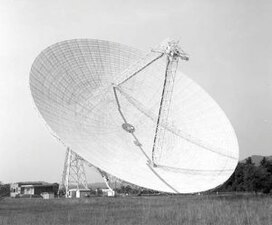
230,49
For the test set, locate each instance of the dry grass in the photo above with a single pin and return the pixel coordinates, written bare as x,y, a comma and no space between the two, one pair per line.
139,210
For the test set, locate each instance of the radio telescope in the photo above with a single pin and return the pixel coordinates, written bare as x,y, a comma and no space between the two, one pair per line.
134,115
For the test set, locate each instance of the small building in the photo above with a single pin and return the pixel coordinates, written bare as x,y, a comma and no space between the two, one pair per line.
79,193
46,195
108,192
15,188
31,189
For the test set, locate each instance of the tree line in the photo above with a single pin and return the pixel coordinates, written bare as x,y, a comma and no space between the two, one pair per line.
249,177
4,190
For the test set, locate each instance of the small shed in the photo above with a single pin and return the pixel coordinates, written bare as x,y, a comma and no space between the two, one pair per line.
46,195
79,193
108,192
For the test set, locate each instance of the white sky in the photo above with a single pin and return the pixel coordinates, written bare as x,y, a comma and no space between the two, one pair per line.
229,41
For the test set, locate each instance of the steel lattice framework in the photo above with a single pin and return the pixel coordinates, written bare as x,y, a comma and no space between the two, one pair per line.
104,100
73,173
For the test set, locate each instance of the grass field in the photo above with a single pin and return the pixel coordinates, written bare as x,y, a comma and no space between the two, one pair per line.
158,210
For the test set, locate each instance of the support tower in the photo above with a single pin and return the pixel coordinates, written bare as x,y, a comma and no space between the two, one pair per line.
73,173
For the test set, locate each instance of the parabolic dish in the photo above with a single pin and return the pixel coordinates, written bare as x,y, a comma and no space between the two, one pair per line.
72,86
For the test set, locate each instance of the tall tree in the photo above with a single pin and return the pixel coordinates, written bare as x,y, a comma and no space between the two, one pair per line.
249,161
